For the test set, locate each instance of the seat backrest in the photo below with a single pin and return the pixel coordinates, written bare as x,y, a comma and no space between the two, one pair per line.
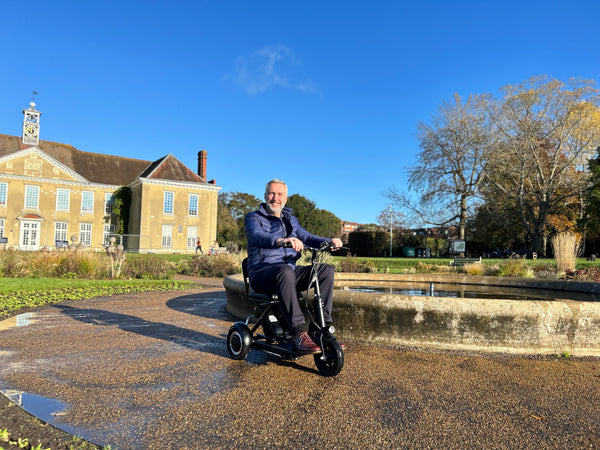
245,274
250,294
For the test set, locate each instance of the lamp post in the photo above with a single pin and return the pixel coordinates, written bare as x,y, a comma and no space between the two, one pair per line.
390,206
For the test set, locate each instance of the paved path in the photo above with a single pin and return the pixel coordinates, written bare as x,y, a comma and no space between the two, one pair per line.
151,371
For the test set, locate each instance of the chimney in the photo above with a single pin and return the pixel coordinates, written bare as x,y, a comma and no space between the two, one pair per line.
202,164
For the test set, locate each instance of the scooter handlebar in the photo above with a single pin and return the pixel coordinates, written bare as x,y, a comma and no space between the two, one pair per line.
326,246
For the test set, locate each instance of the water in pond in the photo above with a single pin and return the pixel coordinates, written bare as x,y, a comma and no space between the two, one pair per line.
466,291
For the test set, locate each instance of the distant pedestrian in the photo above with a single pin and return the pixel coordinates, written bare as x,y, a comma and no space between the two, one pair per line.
199,246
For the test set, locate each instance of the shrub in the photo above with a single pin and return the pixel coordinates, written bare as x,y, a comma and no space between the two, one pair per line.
515,268
565,246
43,264
11,264
547,274
84,264
587,274
219,265
146,268
353,265
474,269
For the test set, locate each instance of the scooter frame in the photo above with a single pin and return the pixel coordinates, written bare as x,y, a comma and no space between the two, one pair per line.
276,337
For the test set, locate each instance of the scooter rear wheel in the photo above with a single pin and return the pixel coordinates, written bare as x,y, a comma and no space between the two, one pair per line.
331,361
239,340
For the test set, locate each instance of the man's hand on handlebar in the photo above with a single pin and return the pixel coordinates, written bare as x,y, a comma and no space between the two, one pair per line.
292,242
298,245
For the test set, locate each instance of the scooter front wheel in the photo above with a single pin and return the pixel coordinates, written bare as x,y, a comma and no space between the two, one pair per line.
331,360
239,340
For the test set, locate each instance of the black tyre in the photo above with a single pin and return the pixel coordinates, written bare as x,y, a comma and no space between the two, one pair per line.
239,340
331,361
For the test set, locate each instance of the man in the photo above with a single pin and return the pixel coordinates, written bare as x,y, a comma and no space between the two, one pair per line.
275,239
199,246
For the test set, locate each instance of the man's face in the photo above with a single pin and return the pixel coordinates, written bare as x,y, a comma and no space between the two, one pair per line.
276,197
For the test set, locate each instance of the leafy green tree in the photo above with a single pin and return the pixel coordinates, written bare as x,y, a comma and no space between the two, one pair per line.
232,208
122,202
592,215
227,228
316,221
368,243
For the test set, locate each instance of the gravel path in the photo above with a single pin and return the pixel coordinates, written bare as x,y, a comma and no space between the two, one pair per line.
151,371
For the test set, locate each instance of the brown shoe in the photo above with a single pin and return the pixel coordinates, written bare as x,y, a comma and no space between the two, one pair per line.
305,345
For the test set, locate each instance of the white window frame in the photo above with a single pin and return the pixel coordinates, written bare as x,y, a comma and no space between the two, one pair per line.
109,202
86,196
167,236
192,234
32,197
168,202
107,232
61,231
3,193
85,234
2,221
191,211
60,193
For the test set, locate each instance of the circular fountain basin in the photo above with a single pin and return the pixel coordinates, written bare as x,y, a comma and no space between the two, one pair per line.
563,318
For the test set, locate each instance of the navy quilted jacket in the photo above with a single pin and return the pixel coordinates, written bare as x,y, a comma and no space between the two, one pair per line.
262,231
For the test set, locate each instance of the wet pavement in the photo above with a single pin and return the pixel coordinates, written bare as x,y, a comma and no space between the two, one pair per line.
151,371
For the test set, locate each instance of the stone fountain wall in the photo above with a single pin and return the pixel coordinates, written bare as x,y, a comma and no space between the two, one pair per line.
472,324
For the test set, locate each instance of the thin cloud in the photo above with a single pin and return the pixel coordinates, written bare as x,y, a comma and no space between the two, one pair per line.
270,66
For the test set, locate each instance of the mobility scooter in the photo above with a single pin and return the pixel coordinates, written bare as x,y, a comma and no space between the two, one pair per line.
276,337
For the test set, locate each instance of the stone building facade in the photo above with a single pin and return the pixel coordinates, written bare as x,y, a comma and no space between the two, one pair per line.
52,195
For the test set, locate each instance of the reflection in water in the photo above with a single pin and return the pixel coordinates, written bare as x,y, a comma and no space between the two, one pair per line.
46,409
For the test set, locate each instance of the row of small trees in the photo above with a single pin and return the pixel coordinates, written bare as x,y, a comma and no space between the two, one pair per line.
513,169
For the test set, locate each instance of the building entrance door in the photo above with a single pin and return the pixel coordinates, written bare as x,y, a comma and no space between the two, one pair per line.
29,235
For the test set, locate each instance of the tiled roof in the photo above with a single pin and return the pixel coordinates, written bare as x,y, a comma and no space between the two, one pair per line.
105,169
170,168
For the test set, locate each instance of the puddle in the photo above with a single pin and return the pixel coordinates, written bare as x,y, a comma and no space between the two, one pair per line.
47,410
20,320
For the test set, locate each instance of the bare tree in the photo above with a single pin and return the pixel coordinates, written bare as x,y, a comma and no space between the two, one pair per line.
451,165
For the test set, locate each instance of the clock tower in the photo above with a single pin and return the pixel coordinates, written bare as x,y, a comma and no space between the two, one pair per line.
31,125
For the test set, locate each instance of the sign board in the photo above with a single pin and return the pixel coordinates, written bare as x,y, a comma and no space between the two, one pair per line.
3,240
458,246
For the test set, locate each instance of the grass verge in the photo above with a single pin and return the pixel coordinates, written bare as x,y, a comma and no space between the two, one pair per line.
18,294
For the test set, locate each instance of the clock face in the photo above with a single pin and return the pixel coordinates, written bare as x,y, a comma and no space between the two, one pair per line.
30,130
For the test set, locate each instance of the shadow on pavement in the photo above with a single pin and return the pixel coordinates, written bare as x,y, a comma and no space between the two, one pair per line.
172,333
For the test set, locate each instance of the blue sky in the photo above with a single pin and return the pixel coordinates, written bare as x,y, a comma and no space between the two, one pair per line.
325,95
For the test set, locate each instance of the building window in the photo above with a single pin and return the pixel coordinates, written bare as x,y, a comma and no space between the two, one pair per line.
32,197
193,205
63,197
60,231
109,202
87,202
167,236
2,227
109,230
3,190
168,202
192,233
85,234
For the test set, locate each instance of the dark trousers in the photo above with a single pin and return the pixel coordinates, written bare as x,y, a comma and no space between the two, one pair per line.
287,282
